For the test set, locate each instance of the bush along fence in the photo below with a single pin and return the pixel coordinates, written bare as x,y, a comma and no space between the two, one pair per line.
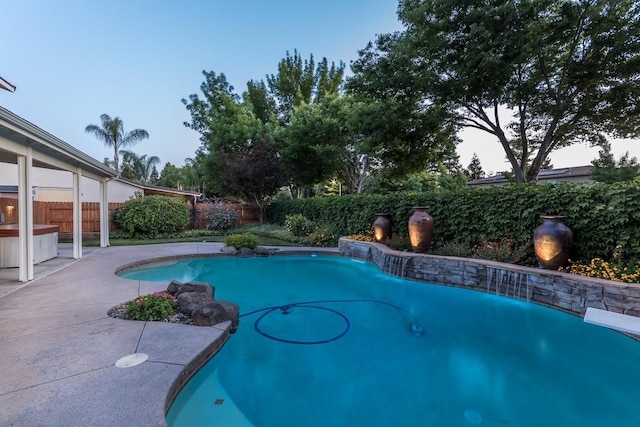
605,219
61,214
215,215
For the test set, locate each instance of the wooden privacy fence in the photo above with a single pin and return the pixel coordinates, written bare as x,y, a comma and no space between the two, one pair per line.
246,214
61,214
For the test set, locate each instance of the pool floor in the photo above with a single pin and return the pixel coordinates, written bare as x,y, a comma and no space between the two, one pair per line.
327,341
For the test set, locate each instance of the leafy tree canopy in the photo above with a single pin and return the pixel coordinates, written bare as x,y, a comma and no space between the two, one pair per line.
606,169
567,70
299,82
137,167
320,134
253,172
224,122
170,176
229,122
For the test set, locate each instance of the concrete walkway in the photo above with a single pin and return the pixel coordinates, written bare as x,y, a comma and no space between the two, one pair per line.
59,347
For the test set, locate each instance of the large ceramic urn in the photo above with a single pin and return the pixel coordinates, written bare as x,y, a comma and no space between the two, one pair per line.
382,227
552,242
420,229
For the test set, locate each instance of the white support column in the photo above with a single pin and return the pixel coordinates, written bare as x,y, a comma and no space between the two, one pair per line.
77,215
25,217
104,214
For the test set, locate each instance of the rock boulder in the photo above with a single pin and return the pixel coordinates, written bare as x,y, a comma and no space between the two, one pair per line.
188,301
216,312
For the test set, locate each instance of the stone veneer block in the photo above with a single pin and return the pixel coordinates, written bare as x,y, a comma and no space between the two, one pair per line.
560,290
565,288
624,302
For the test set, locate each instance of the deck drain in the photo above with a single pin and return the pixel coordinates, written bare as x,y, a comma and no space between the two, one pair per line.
131,360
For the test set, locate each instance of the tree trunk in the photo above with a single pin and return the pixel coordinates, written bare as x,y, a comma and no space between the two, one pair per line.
365,165
517,170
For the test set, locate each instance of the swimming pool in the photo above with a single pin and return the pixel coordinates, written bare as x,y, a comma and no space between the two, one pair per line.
339,343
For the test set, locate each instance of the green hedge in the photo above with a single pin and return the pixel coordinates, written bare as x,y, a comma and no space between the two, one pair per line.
152,216
602,217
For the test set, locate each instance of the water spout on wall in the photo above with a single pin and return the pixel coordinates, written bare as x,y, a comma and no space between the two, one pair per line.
361,251
510,283
394,265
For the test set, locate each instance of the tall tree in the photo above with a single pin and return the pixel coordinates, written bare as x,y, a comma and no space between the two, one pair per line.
565,70
194,174
259,101
606,169
128,165
348,139
474,170
228,122
399,134
253,172
154,176
224,122
311,146
300,82
451,164
113,135
170,176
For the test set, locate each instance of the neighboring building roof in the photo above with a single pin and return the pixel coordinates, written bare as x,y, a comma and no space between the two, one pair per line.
156,189
6,85
572,174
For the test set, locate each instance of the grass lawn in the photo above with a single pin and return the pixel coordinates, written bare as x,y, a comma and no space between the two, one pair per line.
268,235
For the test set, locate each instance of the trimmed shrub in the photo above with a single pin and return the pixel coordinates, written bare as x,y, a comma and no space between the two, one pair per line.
325,236
220,217
298,224
152,216
238,241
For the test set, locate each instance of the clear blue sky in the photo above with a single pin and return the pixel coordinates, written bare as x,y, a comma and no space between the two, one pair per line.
73,60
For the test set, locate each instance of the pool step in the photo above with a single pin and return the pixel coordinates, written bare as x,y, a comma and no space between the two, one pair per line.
609,319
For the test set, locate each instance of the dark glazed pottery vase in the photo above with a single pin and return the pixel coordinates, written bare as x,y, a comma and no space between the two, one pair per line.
552,242
382,227
420,229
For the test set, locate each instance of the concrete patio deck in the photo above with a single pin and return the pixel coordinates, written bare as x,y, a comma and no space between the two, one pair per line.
59,347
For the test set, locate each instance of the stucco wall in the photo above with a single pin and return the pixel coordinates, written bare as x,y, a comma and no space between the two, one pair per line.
50,183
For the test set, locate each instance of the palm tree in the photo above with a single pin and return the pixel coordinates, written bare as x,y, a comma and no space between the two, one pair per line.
146,166
112,134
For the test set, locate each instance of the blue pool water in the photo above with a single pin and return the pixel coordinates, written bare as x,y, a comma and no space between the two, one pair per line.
327,341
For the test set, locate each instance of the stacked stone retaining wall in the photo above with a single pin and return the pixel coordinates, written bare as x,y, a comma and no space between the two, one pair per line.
568,292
